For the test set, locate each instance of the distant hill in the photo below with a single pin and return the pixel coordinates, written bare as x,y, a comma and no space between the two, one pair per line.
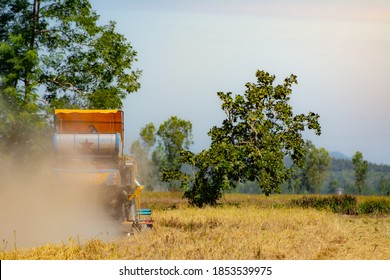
338,155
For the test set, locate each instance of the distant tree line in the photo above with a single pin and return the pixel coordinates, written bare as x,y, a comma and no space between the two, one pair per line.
159,150
346,164
353,177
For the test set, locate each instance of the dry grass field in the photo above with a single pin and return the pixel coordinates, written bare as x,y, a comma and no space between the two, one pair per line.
242,227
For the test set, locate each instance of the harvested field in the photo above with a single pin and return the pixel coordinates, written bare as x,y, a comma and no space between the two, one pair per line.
242,227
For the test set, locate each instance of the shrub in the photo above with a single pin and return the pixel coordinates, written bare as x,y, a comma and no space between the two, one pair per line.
343,204
374,207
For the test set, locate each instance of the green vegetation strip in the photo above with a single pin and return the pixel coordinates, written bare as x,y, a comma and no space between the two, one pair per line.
343,204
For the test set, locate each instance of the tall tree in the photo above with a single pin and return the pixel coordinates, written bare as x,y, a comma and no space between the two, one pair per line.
58,46
54,54
361,167
24,131
148,136
162,147
260,129
174,135
316,167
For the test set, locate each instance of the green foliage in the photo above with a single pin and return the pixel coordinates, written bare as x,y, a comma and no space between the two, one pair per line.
361,168
259,131
174,135
160,149
374,207
342,177
24,130
341,164
59,47
208,178
310,177
384,186
148,136
342,204
333,186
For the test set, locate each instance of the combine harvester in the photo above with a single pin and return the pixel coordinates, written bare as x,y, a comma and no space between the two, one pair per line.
89,146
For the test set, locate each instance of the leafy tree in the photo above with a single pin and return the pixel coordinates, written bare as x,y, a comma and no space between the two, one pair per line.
148,136
53,54
59,47
260,129
172,136
310,177
361,168
24,132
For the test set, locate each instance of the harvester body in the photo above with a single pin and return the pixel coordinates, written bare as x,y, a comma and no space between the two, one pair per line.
88,146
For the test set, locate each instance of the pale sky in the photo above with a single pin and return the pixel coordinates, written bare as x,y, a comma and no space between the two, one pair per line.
190,50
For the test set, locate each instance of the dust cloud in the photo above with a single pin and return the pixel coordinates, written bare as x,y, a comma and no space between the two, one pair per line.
36,209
